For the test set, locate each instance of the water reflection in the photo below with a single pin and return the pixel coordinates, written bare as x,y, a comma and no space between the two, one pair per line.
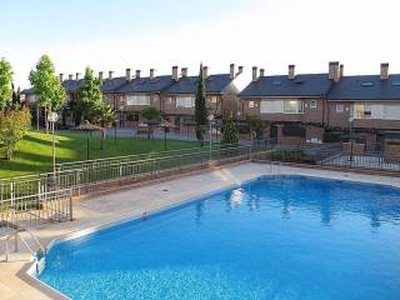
329,199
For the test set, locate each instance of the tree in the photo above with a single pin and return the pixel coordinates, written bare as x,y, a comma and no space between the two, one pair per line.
151,114
200,111
5,83
229,135
90,98
257,126
47,87
14,124
106,115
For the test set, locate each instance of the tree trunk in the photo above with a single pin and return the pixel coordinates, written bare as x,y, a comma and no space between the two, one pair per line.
9,153
46,122
37,116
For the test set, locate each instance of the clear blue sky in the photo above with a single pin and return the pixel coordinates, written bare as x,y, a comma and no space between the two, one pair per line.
114,35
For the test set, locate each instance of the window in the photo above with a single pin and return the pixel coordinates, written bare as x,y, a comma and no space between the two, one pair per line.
362,111
313,104
213,99
185,101
293,106
138,100
339,108
251,104
271,106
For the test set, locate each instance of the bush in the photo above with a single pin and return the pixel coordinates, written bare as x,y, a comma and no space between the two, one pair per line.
286,155
294,130
332,137
14,125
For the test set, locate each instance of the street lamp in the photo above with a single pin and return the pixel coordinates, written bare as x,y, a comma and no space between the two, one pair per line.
165,126
237,120
351,119
210,119
121,115
53,118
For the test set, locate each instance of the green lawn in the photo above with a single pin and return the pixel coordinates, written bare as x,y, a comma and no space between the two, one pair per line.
34,152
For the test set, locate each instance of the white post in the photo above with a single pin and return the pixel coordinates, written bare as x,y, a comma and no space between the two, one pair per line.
53,148
52,118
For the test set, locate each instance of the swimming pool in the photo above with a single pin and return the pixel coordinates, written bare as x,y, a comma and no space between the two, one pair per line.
278,237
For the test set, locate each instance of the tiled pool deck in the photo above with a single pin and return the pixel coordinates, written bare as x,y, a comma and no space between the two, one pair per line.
134,202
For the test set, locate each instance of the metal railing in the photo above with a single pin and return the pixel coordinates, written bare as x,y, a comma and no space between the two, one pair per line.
337,155
32,210
84,176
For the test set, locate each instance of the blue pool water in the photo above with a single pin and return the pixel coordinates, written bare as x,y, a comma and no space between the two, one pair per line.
283,237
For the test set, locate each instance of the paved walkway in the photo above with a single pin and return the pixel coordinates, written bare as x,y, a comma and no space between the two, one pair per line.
107,209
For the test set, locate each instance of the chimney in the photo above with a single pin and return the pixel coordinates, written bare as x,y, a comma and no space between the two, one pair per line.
232,71
175,73
184,72
77,76
384,71
341,71
333,70
254,77
151,73
137,73
61,77
262,72
205,72
291,73
110,74
128,74
100,75
70,76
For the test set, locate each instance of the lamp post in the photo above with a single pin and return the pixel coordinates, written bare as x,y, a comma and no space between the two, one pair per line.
210,119
121,114
237,121
88,145
165,126
351,119
115,120
52,118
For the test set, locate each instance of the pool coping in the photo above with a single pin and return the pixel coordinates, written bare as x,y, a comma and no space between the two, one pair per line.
25,272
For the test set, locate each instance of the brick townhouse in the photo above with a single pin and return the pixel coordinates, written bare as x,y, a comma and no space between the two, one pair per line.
173,95
178,101
370,106
293,105
141,92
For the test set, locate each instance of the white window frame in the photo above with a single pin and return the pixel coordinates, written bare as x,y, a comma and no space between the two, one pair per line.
213,99
313,104
293,107
138,100
339,108
184,101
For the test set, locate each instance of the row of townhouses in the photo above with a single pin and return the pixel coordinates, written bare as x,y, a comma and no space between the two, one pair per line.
299,108
174,95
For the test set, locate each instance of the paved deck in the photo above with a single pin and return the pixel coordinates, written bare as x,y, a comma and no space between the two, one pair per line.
107,209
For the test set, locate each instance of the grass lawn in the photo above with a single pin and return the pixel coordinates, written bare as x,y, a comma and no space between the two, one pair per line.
34,154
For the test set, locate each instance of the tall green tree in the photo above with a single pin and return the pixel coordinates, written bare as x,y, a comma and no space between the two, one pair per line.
200,110
90,99
6,74
229,135
47,87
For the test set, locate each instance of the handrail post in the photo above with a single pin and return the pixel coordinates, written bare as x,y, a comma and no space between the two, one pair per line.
71,216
